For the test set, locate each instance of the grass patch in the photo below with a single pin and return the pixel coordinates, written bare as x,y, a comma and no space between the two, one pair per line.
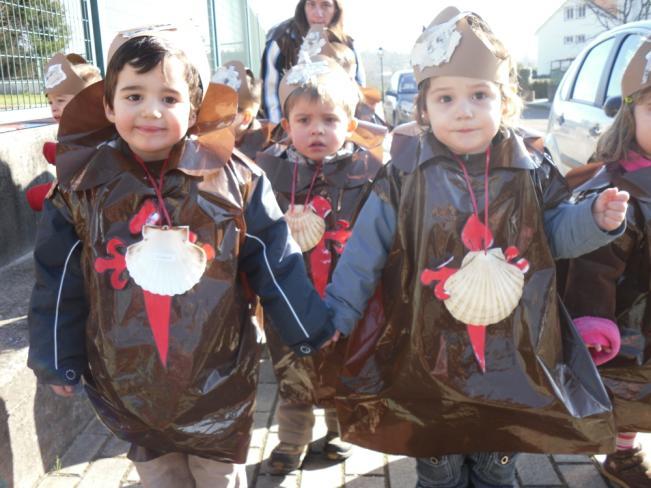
22,100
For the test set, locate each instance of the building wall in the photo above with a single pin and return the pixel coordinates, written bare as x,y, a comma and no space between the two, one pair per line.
554,34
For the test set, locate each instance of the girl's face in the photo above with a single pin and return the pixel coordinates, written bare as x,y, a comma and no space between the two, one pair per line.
320,12
464,113
642,114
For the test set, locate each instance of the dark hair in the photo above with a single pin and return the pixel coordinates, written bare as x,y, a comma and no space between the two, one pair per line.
255,88
336,26
144,53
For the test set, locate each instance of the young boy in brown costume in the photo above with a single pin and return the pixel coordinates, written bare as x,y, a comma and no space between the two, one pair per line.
607,291
320,179
171,225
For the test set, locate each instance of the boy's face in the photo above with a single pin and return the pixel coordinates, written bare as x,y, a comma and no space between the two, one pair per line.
57,104
152,111
642,115
464,113
317,129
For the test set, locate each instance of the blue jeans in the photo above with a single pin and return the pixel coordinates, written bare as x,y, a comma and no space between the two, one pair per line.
480,470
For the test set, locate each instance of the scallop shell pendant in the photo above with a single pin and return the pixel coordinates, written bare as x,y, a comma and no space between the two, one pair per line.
485,290
165,262
307,228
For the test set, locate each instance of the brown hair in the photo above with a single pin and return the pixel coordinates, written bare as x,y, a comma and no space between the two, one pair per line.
334,93
255,88
615,143
87,72
511,101
144,53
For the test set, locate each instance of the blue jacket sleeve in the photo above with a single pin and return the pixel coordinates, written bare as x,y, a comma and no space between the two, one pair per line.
275,268
572,231
271,74
358,271
58,306
360,72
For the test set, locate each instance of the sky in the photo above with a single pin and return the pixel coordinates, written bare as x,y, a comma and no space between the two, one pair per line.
395,24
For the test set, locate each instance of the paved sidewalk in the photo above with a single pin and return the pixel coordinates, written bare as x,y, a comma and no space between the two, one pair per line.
97,460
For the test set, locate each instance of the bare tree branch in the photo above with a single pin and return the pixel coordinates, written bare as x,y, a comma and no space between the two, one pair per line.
617,12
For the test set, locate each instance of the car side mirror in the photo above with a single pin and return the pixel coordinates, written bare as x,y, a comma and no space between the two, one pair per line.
612,106
391,93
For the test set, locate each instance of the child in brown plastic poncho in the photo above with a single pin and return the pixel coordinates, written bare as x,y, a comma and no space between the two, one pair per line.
608,290
321,177
173,230
474,358
65,76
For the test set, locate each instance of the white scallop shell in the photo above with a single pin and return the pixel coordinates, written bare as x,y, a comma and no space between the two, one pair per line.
485,290
165,262
307,228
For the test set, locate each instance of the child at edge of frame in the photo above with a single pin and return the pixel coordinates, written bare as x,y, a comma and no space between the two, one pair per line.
169,230
321,175
65,76
612,315
476,359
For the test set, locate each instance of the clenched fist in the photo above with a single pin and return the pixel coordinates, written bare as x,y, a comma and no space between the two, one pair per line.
609,209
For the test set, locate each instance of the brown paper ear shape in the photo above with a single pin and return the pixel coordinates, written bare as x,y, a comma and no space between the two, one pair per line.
637,75
217,111
450,47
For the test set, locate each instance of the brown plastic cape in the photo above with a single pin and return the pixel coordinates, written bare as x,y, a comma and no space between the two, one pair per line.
410,383
201,400
614,282
345,184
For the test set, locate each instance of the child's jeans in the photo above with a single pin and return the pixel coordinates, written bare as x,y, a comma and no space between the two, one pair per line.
178,470
483,470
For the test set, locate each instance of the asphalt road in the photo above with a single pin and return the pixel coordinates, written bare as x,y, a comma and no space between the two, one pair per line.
534,117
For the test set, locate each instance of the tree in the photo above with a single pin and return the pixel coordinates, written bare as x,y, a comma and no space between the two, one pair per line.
31,31
611,13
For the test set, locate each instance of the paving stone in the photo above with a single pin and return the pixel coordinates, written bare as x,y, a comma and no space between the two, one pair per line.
402,471
265,398
82,451
365,482
53,481
582,475
365,461
267,481
132,475
536,469
317,472
105,473
115,448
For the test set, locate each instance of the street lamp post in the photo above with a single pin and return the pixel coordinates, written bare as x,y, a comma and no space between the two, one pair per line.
380,53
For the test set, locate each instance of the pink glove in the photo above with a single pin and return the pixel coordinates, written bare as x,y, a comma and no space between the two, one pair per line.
601,336
36,195
50,152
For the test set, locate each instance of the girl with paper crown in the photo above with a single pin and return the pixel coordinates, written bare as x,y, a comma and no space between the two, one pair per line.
608,290
475,357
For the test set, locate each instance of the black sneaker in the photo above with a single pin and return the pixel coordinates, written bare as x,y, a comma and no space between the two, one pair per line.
336,449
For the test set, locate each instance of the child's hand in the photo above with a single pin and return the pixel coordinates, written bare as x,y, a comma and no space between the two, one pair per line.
332,340
609,209
63,390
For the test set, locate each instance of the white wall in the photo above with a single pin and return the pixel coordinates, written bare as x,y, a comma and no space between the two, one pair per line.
551,45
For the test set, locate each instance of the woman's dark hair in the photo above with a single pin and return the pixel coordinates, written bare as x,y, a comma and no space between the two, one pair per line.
336,26
144,53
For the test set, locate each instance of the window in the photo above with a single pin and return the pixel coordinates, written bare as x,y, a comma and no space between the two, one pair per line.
568,40
626,51
587,81
580,39
580,12
569,13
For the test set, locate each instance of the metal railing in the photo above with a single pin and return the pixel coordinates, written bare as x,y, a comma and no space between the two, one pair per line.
31,32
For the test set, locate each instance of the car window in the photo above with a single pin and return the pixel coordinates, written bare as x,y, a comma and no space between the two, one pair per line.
587,81
626,51
408,83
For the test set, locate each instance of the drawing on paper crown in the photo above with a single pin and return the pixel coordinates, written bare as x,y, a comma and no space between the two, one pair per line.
307,72
647,68
438,45
228,76
54,76
312,44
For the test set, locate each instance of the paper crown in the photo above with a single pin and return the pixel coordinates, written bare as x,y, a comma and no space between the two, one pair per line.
316,42
450,47
238,77
637,75
60,76
183,39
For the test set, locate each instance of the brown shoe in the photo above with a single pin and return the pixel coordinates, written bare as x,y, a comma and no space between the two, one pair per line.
628,469
335,448
286,458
